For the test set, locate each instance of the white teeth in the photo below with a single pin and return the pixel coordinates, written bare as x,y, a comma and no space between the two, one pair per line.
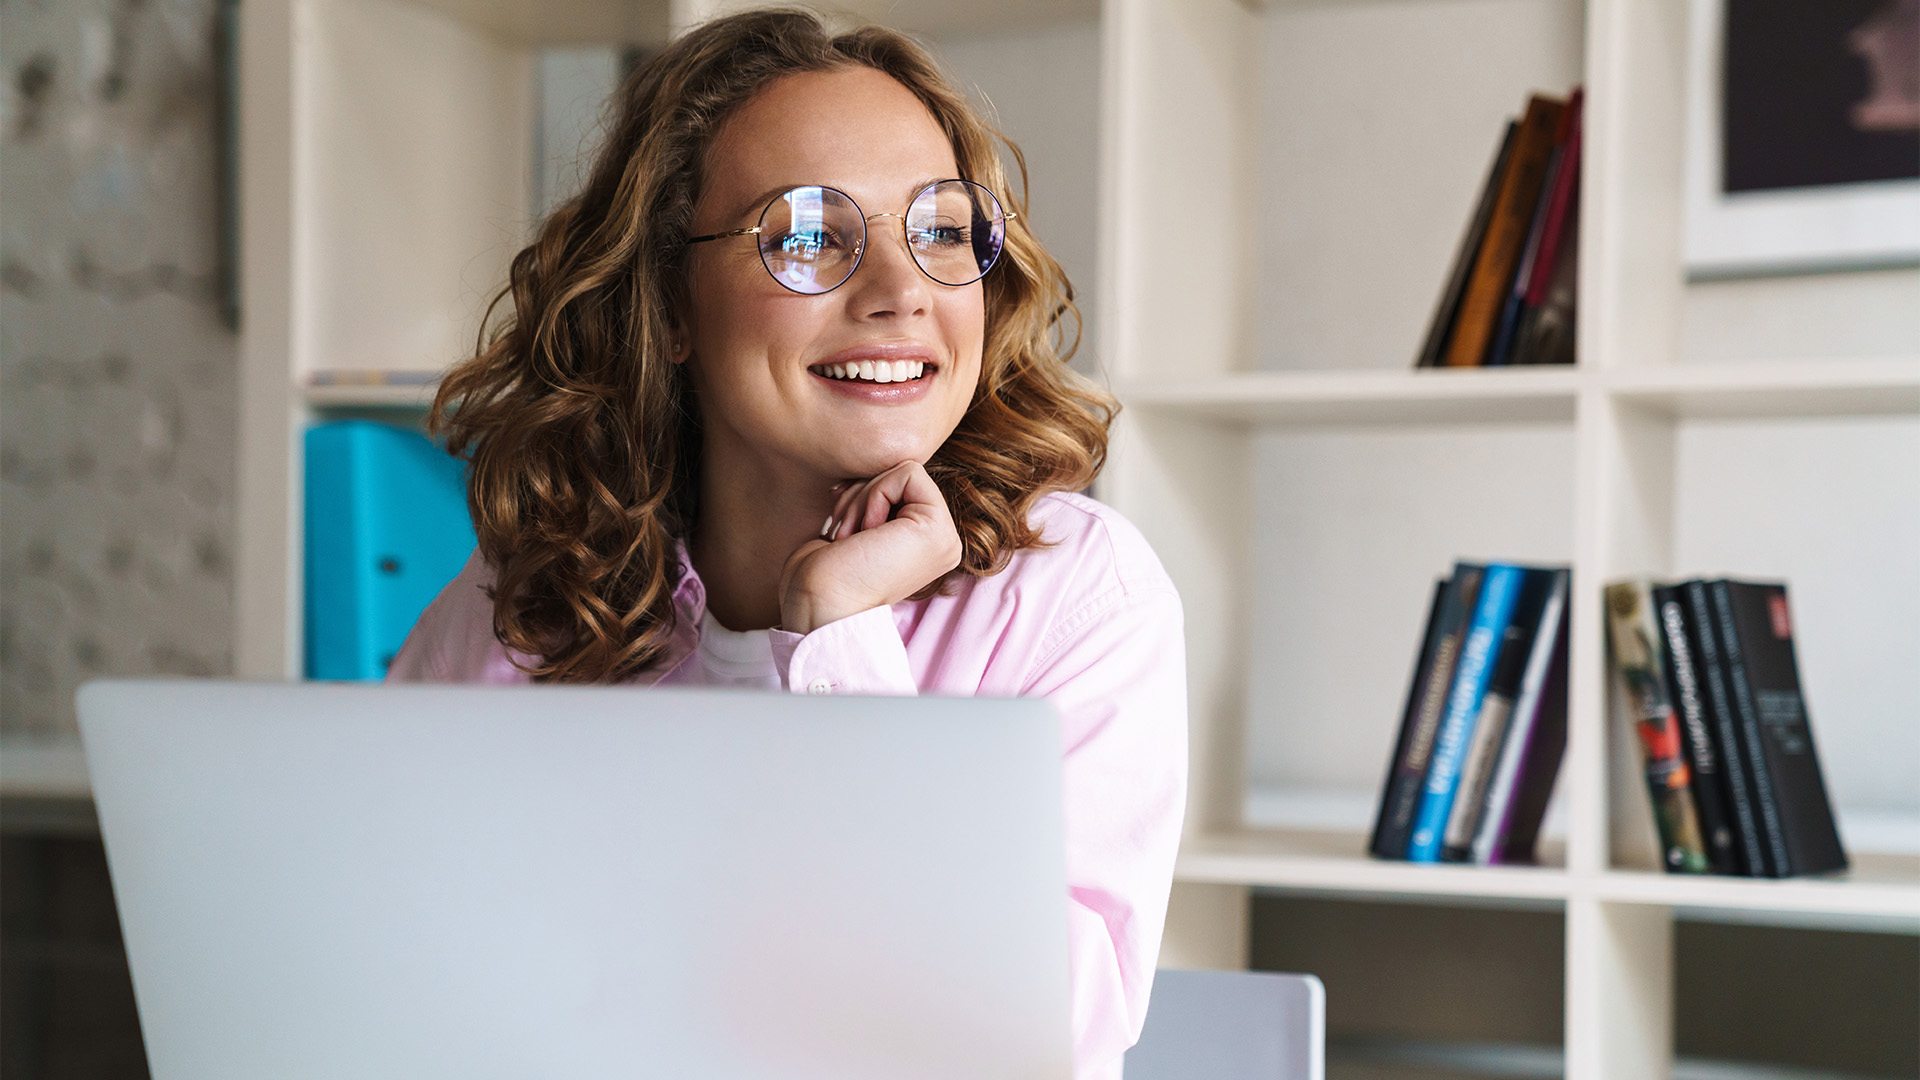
876,371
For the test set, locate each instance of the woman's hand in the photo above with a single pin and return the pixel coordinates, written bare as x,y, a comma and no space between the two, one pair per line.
888,538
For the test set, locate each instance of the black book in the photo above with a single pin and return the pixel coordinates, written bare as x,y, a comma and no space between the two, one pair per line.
1746,729
1709,783
1440,331
1478,766
1757,632
1741,798
1426,704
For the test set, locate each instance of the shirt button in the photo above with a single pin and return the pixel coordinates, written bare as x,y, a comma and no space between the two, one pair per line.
819,686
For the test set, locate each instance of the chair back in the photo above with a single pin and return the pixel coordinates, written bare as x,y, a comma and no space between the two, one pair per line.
1232,1025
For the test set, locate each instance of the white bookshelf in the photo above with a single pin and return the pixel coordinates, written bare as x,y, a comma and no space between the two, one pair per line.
1279,189
1280,336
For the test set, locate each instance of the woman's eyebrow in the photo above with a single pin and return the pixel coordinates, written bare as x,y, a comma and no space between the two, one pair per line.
760,201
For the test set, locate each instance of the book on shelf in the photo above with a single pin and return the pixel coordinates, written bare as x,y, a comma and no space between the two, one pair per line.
1440,328
1507,298
1426,701
1496,709
1719,656
1484,724
1711,798
1557,191
1640,692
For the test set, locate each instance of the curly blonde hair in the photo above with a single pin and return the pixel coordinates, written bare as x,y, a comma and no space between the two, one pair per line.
583,437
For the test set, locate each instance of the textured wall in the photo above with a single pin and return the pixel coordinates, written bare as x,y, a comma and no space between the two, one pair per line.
116,371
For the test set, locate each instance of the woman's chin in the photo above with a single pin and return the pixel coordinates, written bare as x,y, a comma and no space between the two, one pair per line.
858,459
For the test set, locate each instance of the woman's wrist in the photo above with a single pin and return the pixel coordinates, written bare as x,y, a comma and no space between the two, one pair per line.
805,612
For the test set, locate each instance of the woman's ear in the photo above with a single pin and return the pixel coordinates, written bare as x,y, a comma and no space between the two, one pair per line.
677,342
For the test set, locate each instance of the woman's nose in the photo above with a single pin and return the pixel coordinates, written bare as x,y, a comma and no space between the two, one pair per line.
888,281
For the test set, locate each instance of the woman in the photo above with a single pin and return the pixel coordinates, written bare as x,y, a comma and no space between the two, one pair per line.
779,404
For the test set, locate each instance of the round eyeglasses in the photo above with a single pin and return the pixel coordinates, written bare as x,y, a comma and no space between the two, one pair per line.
812,237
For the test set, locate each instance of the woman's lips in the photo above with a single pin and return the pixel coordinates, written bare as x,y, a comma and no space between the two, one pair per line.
879,373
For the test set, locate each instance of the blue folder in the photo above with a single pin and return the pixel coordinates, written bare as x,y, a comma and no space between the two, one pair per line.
387,528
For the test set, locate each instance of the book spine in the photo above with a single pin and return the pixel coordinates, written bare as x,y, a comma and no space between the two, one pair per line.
1496,712
1764,626
1636,667
1478,654
1387,841
1402,799
1501,351
1440,329
1496,815
1541,765
1561,204
1492,276
1766,805
1746,823
1476,772
1709,783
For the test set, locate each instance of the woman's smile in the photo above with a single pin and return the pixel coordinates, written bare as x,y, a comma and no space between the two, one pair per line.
879,374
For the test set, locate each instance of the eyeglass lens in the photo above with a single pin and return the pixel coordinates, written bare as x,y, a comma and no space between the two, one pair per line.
812,238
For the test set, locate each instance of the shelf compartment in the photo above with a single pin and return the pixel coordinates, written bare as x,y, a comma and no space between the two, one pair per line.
1426,396
1841,388
1334,862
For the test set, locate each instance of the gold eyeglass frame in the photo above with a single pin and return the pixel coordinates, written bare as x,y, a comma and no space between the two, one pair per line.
860,251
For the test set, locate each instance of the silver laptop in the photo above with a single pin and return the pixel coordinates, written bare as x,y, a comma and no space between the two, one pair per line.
332,881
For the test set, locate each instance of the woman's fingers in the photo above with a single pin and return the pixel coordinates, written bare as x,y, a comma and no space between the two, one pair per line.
902,537
904,490
848,496
885,492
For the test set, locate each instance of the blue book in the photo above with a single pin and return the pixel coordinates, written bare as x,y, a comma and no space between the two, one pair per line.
1478,653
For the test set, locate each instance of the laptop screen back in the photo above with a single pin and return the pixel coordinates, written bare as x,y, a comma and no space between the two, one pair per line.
351,881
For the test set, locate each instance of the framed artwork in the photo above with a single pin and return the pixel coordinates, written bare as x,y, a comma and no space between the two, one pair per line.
1803,136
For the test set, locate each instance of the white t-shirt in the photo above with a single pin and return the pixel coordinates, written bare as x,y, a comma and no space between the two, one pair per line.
736,658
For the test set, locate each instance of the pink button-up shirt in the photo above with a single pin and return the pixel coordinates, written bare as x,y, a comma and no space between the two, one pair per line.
1090,622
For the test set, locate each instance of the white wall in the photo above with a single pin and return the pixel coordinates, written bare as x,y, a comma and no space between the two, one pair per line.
1042,87
1805,317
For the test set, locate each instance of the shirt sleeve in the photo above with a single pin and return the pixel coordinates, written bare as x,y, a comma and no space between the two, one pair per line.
1117,675
860,654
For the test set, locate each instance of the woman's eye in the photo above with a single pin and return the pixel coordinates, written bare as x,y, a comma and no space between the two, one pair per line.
942,236
806,244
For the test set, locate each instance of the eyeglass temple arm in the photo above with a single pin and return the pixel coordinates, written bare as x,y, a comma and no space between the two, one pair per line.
723,235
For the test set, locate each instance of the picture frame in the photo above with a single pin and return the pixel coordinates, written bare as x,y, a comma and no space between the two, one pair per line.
1777,225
